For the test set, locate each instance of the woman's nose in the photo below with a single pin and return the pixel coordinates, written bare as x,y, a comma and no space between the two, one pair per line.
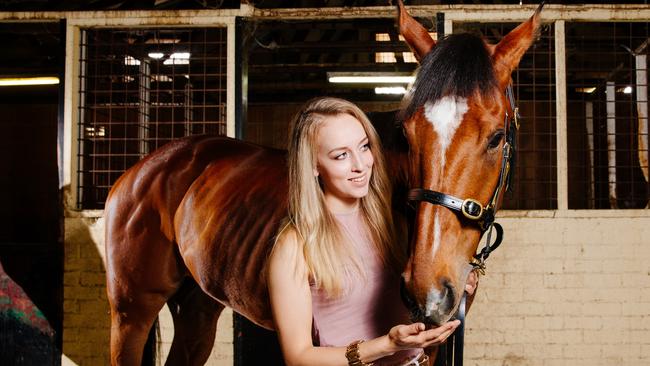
358,162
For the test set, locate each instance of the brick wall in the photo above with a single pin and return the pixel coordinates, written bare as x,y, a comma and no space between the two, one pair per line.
565,288
565,291
86,321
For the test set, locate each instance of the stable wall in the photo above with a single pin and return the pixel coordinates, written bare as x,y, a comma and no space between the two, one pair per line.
565,288
86,324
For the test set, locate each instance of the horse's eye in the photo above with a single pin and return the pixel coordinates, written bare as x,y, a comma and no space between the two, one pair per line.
495,140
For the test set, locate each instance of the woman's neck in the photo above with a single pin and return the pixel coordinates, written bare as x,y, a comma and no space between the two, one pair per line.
338,205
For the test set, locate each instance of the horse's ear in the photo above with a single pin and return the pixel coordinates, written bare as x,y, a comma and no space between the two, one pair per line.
416,36
513,46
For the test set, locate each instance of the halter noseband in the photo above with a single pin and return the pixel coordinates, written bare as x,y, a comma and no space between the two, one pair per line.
472,209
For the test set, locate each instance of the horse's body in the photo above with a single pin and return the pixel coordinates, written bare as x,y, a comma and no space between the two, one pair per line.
199,193
204,210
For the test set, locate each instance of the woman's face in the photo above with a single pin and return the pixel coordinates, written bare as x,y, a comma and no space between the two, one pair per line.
344,161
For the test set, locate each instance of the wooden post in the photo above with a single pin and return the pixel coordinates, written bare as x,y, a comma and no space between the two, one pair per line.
561,138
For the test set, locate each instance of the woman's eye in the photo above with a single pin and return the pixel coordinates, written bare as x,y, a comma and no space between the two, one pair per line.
341,156
365,147
495,141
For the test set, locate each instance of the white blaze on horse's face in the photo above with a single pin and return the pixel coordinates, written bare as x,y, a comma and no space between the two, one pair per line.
445,115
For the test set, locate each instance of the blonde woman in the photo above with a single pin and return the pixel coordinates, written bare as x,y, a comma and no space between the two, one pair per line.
334,270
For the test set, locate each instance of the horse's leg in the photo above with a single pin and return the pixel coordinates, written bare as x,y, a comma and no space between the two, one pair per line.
195,317
130,326
141,276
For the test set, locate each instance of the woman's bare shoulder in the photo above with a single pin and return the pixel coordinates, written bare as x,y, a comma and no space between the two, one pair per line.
288,253
288,246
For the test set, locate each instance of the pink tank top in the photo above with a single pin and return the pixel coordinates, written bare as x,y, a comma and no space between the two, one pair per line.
369,307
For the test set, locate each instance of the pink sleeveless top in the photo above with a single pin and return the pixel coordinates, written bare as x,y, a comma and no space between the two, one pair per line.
369,307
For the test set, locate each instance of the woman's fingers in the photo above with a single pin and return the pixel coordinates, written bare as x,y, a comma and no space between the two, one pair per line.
416,334
442,333
472,282
435,334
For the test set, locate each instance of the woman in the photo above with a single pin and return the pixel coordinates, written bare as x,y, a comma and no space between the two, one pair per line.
334,270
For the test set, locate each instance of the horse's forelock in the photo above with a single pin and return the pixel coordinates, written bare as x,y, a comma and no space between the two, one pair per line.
458,66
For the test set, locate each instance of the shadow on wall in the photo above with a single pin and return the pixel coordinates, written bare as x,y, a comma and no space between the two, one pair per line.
86,321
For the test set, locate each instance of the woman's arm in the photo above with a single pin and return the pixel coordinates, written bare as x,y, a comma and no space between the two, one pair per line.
290,297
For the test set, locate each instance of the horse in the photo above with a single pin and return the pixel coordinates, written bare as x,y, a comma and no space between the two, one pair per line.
191,225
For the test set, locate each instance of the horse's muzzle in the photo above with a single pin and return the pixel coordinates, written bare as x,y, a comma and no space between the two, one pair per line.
438,308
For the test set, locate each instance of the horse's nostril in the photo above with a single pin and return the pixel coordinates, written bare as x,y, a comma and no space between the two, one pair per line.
447,285
448,293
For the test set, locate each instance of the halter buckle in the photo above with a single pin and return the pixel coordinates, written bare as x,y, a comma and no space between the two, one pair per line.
472,209
479,266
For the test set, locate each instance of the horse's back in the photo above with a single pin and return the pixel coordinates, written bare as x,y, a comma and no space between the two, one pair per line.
211,188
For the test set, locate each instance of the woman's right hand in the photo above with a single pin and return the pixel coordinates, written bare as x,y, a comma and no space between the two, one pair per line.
417,336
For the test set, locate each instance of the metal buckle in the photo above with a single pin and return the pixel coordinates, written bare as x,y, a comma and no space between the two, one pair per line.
479,266
470,203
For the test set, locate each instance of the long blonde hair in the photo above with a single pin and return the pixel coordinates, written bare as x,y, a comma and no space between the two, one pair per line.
326,255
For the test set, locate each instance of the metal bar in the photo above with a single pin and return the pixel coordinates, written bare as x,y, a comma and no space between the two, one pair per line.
611,142
589,126
241,78
83,50
144,103
187,109
642,110
440,25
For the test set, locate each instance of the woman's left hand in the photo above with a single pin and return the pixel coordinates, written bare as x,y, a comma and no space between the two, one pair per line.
472,283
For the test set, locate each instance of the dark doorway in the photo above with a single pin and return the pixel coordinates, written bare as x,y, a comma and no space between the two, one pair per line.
31,251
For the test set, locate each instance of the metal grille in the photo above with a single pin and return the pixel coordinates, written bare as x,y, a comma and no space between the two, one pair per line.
139,89
607,94
535,179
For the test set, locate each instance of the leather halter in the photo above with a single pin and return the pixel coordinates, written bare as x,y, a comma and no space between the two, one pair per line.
472,209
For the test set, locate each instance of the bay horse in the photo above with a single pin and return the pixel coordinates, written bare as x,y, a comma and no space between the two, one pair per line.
191,225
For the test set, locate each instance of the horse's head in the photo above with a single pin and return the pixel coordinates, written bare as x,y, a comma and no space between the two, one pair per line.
455,121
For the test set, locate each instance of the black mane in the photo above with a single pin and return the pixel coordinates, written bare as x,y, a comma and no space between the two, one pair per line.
458,66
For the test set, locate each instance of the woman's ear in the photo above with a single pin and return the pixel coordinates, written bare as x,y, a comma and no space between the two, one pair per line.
316,173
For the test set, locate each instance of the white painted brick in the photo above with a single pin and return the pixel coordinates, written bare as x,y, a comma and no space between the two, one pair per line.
579,350
606,308
636,308
543,322
583,322
628,351
564,308
563,280
575,264
560,336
